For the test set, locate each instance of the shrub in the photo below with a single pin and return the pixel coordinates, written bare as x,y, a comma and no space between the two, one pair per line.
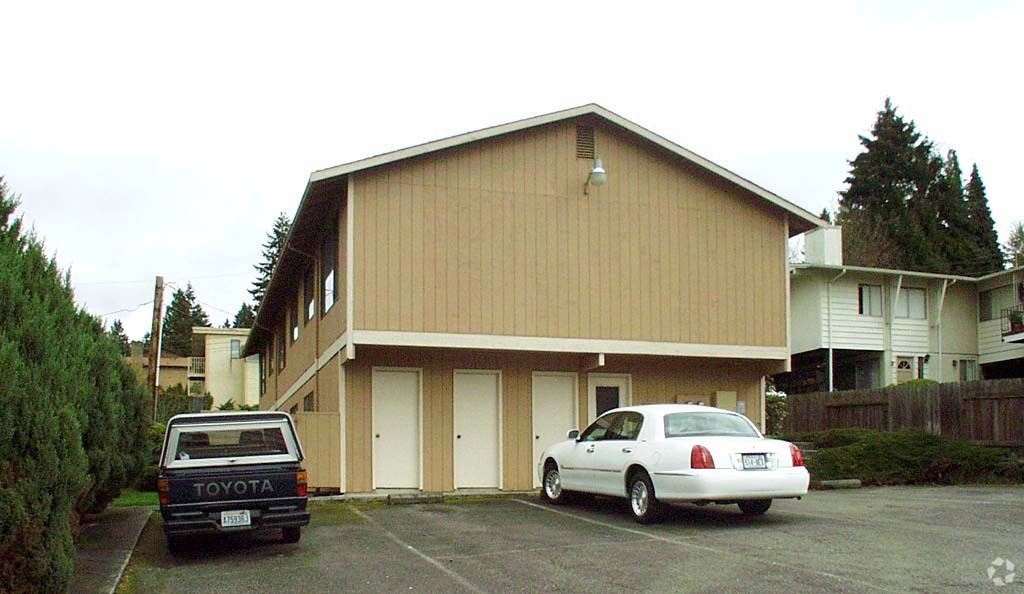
775,412
906,458
71,416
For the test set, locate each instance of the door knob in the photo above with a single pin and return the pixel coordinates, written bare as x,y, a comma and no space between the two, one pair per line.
458,437
536,437
377,436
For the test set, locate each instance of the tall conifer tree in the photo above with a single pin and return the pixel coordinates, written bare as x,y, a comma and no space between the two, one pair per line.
988,256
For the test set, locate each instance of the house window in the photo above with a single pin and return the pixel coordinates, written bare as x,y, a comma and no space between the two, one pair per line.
293,316
281,351
912,304
328,268
968,370
309,305
263,376
236,349
270,356
869,300
293,410
920,367
992,302
307,403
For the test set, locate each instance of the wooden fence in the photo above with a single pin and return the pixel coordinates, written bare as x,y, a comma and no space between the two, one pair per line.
320,436
982,412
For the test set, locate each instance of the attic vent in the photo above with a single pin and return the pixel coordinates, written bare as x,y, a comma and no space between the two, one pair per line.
584,142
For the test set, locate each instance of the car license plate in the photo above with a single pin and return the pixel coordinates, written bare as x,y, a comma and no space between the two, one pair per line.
754,462
231,519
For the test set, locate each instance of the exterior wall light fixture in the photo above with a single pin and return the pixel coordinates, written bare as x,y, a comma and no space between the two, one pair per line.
597,176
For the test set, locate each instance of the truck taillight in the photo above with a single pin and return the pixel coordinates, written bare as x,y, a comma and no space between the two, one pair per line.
163,487
700,457
300,483
798,456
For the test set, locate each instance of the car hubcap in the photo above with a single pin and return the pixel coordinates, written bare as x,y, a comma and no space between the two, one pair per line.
553,484
638,498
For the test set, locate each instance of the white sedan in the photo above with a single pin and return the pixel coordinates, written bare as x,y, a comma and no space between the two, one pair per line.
659,453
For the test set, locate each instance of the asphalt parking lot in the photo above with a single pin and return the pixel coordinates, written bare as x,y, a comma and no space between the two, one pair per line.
923,539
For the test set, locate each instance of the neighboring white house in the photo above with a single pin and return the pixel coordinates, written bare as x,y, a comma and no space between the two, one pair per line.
879,327
224,373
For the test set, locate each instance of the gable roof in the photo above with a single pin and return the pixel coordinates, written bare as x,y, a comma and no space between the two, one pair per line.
801,220
804,219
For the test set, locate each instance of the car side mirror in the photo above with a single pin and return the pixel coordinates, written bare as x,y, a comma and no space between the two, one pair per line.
574,434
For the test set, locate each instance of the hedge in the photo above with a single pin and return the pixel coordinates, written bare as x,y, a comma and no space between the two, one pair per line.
72,414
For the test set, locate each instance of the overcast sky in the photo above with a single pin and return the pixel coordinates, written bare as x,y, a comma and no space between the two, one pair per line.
150,139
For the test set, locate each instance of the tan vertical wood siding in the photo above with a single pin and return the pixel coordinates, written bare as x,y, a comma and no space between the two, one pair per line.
654,379
497,237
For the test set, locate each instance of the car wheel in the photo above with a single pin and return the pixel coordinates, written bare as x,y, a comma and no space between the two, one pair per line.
176,544
642,501
755,507
552,490
291,534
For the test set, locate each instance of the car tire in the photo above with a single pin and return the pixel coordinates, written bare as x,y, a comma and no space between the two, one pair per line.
755,507
291,534
551,488
176,544
643,503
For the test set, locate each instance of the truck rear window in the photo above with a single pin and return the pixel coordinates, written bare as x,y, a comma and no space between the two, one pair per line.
230,443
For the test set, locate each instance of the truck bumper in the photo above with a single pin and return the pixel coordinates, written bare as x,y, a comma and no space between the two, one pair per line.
188,520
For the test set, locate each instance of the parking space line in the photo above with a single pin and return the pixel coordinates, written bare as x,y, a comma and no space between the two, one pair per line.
458,578
542,549
683,543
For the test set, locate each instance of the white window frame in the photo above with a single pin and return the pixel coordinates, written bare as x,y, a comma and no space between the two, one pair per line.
868,306
911,299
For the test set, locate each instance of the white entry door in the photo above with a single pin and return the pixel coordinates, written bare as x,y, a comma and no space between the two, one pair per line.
554,412
477,423
396,428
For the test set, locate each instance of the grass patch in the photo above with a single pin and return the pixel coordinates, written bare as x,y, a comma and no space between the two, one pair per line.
905,458
332,514
133,498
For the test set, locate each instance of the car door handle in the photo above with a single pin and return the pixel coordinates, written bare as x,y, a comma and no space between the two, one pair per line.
590,450
627,450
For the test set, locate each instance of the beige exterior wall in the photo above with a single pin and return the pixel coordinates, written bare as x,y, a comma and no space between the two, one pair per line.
224,376
654,379
498,238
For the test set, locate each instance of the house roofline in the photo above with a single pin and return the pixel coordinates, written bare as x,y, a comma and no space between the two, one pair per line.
557,116
806,218
891,271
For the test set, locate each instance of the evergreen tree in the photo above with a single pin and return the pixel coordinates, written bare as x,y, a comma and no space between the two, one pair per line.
271,253
888,210
957,244
246,316
825,215
988,257
226,324
117,333
1015,245
183,313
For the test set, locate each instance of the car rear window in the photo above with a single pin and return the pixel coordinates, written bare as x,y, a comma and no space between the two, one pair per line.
229,443
689,424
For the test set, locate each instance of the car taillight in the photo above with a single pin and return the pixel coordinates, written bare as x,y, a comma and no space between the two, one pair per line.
163,487
798,456
300,483
700,457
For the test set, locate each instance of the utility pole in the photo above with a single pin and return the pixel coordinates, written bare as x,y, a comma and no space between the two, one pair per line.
155,335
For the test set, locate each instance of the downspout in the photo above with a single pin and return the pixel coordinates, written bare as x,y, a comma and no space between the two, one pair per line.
938,321
890,317
828,298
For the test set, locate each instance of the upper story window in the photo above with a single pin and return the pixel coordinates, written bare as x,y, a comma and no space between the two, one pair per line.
293,318
309,305
308,405
912,304
329,268
992,302
869,300
270,356
236,348
281,350
263,376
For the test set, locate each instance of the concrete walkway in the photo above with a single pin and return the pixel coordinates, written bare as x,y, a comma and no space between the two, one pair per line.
105,545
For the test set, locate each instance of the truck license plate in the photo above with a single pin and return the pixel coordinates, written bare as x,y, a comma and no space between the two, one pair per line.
230,519
754,462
